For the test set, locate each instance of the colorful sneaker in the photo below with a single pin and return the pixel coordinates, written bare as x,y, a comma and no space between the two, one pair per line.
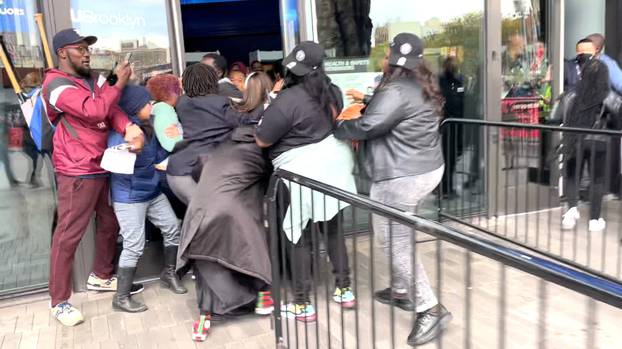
94,283
200,328
345,297
304,312
67,314
265,304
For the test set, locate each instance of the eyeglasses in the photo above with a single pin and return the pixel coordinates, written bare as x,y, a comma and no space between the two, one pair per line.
80,49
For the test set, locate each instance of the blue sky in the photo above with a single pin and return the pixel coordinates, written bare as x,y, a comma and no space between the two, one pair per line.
143,18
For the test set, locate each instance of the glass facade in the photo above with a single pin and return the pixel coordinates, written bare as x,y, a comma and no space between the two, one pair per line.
141,29
27,201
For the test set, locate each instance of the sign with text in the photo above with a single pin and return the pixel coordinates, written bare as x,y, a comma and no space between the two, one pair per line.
15,15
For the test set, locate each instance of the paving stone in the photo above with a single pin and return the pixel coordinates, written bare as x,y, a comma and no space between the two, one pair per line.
47,338
29,340
11,341
24,322
133,323
99,327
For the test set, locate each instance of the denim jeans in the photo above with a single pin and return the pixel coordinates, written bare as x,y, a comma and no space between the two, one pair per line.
405,193
131,219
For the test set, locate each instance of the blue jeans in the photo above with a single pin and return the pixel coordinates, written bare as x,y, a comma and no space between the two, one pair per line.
131,219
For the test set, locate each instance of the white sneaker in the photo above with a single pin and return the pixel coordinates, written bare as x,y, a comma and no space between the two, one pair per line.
597,225
67,314
570,218
95,283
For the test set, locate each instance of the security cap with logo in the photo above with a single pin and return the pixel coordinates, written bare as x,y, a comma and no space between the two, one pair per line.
305,58
70,36
406,51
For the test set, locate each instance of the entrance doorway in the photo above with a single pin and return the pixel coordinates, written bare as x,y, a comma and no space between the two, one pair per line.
236,29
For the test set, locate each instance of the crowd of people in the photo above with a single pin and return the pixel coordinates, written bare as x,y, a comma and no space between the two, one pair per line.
209,142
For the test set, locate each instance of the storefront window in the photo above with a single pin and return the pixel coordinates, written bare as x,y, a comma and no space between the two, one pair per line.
139,27
356,35
26,178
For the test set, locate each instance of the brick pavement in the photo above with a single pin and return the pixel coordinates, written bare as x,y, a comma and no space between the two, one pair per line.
26,323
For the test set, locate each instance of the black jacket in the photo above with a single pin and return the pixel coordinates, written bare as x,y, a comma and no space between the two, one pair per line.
227,89
609,119
207,121
400,130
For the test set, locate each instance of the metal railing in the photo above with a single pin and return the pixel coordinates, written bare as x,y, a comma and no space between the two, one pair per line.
500,296
517,181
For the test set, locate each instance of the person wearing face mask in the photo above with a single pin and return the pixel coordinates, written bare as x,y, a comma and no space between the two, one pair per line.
594,106
572,69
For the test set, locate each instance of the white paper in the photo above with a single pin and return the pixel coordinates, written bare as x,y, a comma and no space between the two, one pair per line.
118,159
163,165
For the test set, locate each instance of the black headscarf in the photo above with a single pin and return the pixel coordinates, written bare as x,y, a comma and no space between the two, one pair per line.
591,91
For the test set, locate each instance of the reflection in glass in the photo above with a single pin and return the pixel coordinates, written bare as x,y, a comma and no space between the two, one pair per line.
141,27
356,35
26,176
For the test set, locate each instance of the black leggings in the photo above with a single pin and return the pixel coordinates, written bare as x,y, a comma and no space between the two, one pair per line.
300,256
596,160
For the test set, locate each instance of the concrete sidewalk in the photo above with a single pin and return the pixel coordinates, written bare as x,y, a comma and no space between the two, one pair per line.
26,323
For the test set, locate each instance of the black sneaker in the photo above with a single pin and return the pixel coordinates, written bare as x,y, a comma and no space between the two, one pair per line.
402,301
137,288
429,325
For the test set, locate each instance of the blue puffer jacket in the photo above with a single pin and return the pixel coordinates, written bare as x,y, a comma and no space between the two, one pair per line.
143,185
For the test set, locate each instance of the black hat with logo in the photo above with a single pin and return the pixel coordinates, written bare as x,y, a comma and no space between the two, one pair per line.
305,58
406,51
69,37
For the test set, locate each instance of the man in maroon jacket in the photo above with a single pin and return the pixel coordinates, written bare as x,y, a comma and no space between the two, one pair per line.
84,108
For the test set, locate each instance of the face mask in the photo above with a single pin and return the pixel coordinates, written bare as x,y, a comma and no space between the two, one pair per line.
583,58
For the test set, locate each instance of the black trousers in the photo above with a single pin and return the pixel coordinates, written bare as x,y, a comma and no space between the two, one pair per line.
596,160
298,262
301,256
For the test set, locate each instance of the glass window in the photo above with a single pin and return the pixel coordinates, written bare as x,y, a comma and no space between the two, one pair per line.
357,33
26,176
140,28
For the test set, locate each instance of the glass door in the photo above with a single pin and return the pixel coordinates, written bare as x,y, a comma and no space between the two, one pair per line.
356,35
27,200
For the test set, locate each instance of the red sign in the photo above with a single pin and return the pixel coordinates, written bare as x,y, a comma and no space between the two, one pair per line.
16,138
524,110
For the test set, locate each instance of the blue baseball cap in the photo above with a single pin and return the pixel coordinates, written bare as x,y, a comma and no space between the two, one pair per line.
69,37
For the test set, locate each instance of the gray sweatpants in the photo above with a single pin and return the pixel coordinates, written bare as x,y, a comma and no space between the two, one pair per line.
131,219
405,193
182,186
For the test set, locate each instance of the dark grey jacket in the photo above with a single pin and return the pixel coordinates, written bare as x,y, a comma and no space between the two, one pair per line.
400,133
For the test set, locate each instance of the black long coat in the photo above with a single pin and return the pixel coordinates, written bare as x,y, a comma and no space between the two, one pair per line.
224,222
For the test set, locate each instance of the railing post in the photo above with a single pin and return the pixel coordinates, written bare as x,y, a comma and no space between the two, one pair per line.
271,225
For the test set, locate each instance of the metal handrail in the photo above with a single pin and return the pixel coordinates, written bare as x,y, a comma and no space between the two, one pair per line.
596,287
530,126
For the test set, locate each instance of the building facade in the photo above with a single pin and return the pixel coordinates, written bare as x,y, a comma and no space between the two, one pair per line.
507,55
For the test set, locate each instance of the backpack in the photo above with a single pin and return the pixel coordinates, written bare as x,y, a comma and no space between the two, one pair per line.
40,127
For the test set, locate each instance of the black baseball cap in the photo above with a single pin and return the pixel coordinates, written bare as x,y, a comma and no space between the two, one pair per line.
69,37
406,51
305,58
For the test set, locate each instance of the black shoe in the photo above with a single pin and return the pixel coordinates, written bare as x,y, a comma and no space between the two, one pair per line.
169,276
429,325
137,288
122,300
386,296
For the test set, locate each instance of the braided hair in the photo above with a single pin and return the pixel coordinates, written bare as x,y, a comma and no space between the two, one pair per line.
200,80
